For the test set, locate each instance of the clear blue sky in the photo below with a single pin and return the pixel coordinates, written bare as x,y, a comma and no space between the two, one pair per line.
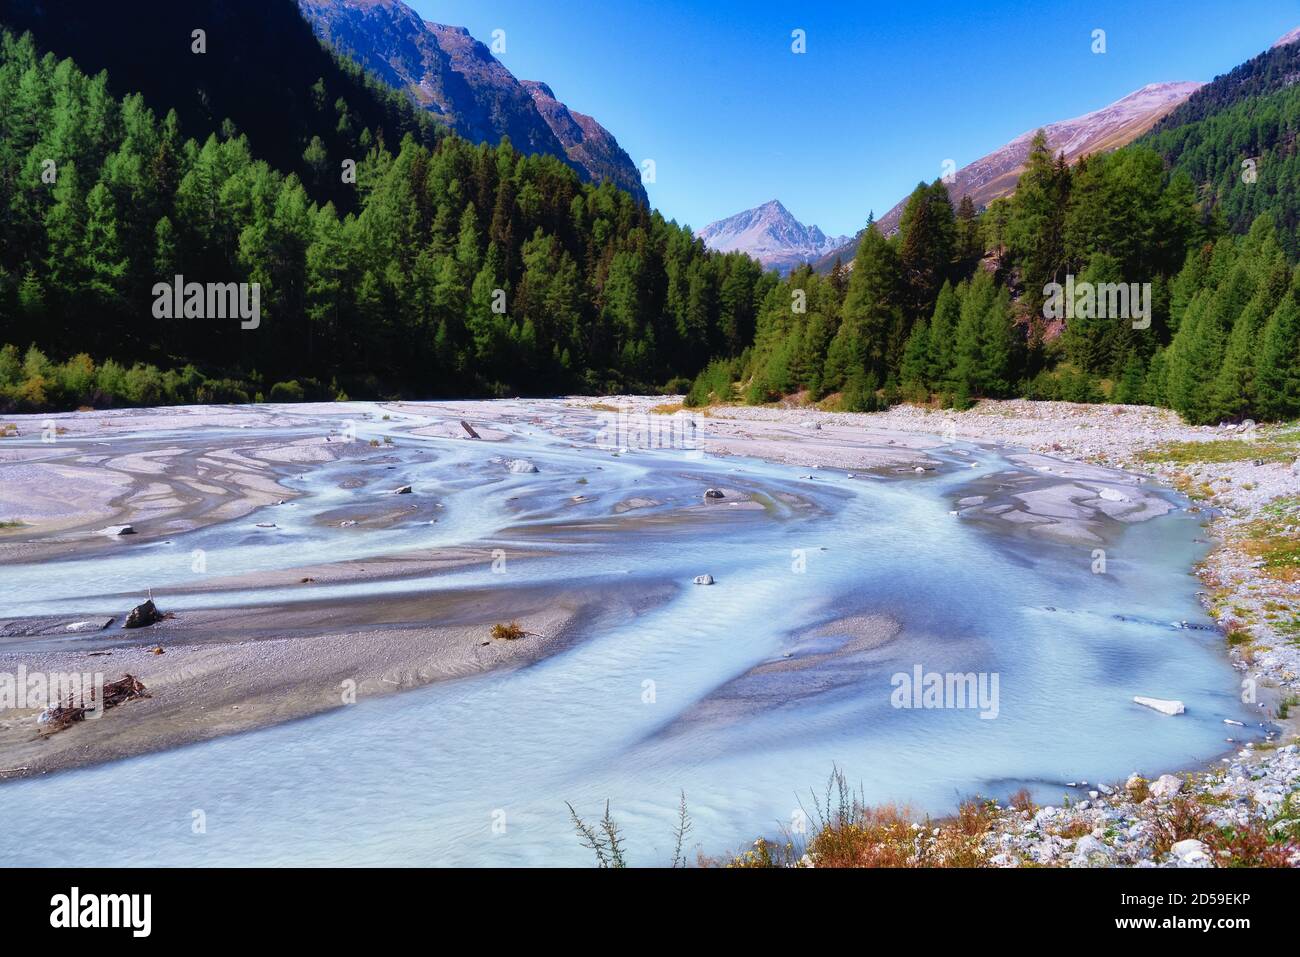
711,91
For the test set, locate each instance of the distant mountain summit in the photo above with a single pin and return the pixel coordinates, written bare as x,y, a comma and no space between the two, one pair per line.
458,80
996,174
771,235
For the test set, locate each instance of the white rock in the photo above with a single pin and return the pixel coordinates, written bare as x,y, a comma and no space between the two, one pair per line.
703,579
88,625
520,466
402,490
1239,724
114,530
1166,786
1191,851
1089,845
1163,705
1111,495
713,493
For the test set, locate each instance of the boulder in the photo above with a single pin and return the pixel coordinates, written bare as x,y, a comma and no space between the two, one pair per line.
402,490
704,579
1163,705
1112,495
522,466
113,531
1166,786
714,493
96,625
143,615
1191,851
1089,845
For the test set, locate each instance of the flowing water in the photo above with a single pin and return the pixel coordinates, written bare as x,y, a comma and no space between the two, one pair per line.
638,710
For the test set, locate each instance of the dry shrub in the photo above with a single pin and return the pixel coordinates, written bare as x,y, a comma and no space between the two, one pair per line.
1181,819
1021,801
1250,846
510,632
854,834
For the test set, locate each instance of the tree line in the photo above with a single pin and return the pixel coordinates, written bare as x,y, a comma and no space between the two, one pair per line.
961,305
464,269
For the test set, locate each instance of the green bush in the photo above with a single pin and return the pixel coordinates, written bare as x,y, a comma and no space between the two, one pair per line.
289,391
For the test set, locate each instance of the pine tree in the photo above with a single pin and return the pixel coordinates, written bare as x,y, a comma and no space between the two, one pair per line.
1277,375
914,372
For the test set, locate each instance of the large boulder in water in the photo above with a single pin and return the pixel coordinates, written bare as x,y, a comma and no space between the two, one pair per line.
144,615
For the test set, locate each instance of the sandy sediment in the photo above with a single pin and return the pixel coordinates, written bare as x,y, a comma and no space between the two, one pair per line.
226,671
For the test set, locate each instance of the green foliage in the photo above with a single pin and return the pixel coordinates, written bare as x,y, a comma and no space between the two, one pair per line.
456,269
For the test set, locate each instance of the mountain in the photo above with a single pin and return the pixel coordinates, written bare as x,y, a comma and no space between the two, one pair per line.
996,174
457,79
770,234
587,144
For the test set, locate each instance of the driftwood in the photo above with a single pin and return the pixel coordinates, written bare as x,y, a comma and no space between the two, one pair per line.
468,428
66,713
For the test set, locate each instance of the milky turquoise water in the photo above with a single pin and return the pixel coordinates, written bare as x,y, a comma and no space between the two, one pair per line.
639,709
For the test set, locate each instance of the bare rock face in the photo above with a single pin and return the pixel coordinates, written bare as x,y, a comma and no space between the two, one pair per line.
458,80
142,616
587,144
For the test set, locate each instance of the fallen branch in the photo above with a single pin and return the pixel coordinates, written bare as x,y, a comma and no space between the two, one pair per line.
126,688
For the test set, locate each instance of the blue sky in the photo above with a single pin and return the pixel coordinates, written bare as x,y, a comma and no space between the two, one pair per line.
711,91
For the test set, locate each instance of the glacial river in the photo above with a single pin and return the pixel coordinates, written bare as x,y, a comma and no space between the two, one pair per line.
637,710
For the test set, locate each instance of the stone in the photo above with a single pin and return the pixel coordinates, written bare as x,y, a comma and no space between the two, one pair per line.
113,531
402,490
714,493
703,579
1166,786
1089,845
1191,851
143,615
1163,705
96,625
522,466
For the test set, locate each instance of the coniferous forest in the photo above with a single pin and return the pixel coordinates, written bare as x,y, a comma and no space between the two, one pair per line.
394,258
